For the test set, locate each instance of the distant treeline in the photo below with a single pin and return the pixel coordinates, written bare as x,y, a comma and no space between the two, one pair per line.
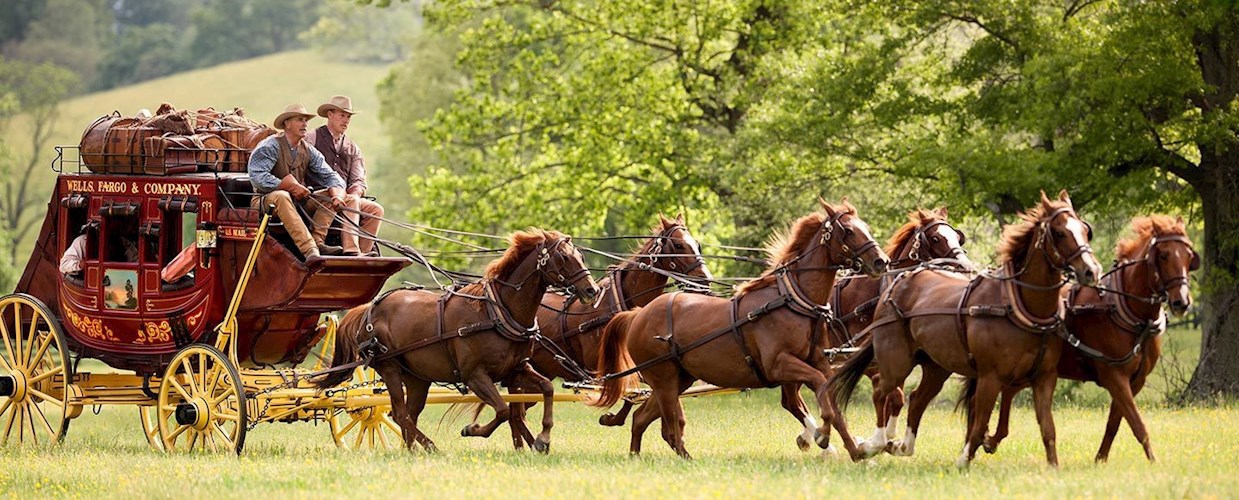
112,43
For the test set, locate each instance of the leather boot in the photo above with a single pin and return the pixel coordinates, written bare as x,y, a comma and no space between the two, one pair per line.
326,249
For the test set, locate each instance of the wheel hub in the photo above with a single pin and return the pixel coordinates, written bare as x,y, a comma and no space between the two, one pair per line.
193,413
14,385
8,386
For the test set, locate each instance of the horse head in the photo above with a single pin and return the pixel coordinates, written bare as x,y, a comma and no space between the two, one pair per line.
1170,257
561,265
927,236
1065,238
850,241
674,249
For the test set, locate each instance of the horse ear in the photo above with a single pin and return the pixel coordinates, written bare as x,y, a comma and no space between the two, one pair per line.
1045,200
679,217
830,210
941,211
1179,220
1062,196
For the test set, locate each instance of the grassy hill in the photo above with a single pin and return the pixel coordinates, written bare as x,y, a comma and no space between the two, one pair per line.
263,86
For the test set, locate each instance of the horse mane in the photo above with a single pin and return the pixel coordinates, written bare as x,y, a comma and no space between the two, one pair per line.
521,243
785,245
1145,229
1017,238
916,219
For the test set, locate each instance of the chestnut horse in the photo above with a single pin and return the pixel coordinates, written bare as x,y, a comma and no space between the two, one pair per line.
927,236
1118,330
475,335
997,328
571,328
769,333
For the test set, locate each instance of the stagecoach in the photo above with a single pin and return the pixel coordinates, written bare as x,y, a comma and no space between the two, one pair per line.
204,357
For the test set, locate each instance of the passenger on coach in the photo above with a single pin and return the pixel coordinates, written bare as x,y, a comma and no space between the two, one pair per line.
71,261
280,169
343,156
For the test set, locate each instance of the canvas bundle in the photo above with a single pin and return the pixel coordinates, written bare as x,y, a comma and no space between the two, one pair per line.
171,142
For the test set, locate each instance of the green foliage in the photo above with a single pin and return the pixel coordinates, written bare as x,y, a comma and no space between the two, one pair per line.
367,34
15,19
69,33
228,30
143,53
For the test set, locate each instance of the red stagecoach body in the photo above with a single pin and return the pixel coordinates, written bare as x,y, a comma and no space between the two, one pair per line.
122,312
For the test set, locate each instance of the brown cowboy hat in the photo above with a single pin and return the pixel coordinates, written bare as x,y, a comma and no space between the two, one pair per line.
337,102
290,111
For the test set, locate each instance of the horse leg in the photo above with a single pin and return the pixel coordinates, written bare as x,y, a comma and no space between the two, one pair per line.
933,377
673,419
518,413
879,403
616,419
393,378
982,408
531,379
418,390
1123,403
482,385
1004,419
645,415
1113,420
1043,400
794,404
895,360
789,369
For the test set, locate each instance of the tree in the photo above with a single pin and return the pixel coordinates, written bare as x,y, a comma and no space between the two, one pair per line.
70,33
228,30
143,53
15,18
34,93
364,34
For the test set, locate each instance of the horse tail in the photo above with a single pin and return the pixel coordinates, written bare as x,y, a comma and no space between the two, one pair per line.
613,357
843,383
967,391
346,347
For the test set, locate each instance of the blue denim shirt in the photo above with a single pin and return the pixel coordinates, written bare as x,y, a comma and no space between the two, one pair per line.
263,159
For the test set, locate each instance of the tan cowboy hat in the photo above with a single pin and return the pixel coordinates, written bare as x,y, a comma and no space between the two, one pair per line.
338,102
290,111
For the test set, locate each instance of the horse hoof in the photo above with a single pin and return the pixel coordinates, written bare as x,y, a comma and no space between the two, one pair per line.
609,420
469,430
822,439
541,446
802,443
962,463
899,449
830,453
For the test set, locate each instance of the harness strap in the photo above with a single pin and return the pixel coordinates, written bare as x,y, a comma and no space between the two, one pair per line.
961,326
753,363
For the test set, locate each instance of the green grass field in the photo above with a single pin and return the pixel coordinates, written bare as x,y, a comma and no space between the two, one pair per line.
743,446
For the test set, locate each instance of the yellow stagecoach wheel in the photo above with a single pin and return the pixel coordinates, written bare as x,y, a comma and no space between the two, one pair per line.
201,403
34,367
150,427
366,428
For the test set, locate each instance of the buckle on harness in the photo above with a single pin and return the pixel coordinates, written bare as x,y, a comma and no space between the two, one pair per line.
371,348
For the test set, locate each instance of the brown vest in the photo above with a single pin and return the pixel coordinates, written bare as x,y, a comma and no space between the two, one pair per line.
284,162
339,161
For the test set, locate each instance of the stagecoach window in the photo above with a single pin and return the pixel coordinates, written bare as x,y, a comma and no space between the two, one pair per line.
121,237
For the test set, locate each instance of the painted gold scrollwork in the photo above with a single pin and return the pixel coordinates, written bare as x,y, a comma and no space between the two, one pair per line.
93,328
154,333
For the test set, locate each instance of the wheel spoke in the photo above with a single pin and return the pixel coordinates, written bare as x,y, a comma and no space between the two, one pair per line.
189,374
30,335
361,434
391,425
46,424
44,376
193,439
201,374
45,397
34,436
211,380
20,355
8,425
343,432
232,417
223,436
378,429
38,353
179,389
11,361
179,430
21,424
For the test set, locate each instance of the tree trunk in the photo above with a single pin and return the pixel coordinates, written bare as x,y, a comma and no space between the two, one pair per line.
1218,370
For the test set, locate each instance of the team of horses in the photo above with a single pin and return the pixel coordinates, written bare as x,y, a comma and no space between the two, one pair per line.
1047,311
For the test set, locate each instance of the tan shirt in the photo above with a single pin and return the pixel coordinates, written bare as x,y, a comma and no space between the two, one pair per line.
354,174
